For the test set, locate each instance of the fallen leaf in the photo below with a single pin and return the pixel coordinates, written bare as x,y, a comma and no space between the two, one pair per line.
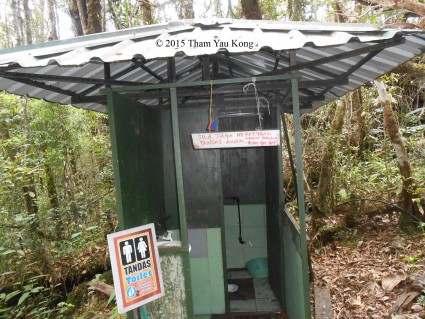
389,282
417,308
356,302
405,299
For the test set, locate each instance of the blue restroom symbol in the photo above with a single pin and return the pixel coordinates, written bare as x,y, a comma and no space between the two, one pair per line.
131,292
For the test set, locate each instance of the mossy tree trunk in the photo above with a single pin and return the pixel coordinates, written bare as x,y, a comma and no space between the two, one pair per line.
146,9
392,129
361,122
323,194
94,17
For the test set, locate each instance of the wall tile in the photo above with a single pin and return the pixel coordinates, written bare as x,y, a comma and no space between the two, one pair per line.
253,215
200,285
214,242
235,258
198,241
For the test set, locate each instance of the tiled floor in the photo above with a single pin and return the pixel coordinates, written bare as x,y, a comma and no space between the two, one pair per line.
264,301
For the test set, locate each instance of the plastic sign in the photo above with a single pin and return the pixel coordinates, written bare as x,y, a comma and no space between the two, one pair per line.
236,139
135,267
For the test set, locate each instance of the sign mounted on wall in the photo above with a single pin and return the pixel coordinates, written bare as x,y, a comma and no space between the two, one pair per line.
259,138
135,267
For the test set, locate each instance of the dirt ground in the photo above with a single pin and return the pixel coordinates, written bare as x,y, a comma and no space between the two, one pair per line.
373,271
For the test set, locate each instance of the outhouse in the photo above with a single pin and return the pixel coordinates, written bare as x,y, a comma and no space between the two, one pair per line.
222,205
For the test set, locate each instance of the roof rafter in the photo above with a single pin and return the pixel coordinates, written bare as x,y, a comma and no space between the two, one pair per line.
141,64
219,89
43,86
66,79
340,56
355,67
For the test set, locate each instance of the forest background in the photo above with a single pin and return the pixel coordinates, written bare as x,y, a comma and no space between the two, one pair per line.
57,200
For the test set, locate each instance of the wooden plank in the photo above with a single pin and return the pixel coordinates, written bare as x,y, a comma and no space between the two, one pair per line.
323,303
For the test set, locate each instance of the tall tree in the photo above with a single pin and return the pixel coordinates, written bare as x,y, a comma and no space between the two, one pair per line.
360,116
184,9
53,27
17,21
28,27
82,10
326,172
251,9
94,17
74,13
217,8
296,10
392,129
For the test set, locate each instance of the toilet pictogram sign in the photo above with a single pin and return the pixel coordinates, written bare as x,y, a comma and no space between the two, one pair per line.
135,267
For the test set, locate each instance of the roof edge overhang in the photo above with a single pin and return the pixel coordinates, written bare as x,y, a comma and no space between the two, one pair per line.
75,70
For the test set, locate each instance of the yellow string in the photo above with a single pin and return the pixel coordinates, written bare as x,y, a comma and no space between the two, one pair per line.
211,94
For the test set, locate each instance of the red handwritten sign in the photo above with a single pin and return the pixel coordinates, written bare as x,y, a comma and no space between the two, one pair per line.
236,139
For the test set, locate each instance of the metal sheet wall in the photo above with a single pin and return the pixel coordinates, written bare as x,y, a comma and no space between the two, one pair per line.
242,168
201,173
274,203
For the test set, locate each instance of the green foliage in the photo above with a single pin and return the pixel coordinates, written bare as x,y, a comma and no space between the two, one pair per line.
272,9
411,259
56,200
125,13
421,299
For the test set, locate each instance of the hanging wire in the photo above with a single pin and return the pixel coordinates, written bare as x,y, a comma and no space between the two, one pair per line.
260,102
211,102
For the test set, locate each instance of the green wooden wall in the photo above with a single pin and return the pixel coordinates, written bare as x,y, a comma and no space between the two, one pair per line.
136,139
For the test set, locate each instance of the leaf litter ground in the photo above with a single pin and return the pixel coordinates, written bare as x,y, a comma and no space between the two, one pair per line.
373,271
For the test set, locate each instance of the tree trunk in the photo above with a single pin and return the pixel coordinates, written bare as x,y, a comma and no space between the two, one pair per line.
30,197
251,9
188,9
146,9
16,22
217,8
75,18
392,129
326,172
82,9
361,123
53,28
53,199
94,17
340,15
296,10
27,15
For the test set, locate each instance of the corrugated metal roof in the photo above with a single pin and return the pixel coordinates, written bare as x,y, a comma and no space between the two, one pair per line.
332,59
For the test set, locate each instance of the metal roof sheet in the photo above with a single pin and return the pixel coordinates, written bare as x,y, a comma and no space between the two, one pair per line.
337,57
